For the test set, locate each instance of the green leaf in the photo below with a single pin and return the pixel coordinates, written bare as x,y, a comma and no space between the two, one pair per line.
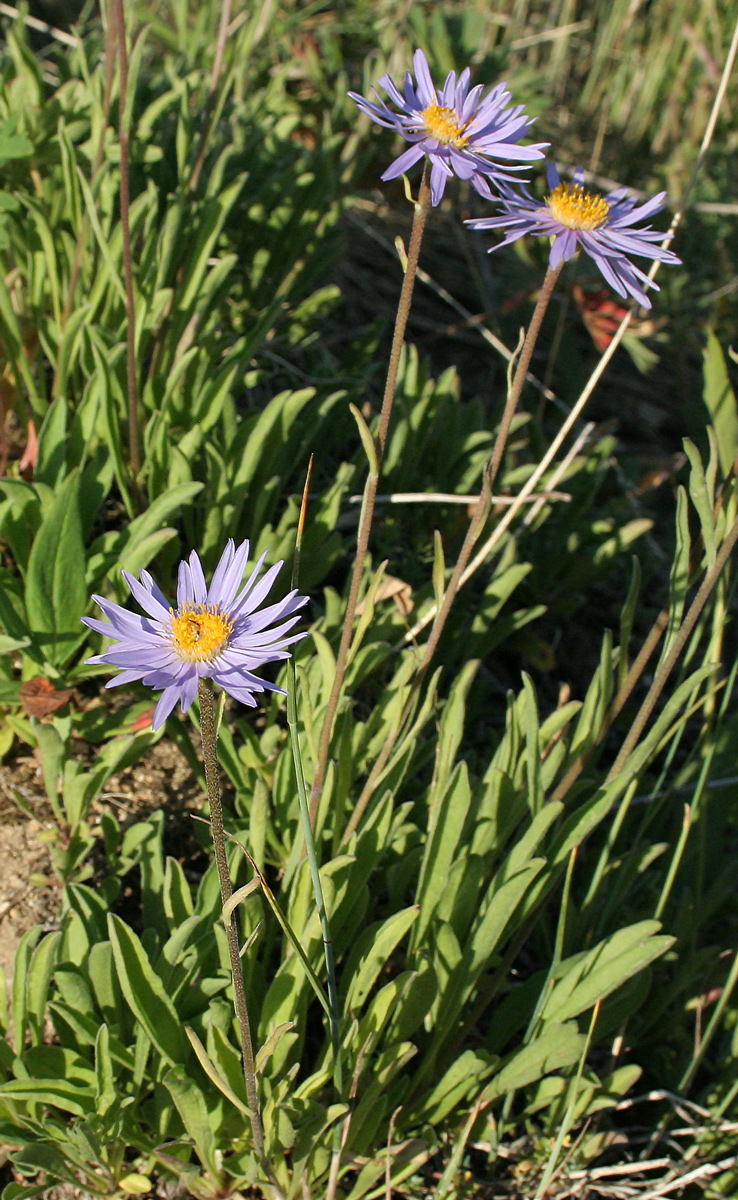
597,973
13,144
558,1046
214,1074
58,1093
39,974
56,595
720,401
145,993
367,441
193,1110
52,444
47,1158
106,1091
461,1078
447,822
178,904
20,982
702,499
380,943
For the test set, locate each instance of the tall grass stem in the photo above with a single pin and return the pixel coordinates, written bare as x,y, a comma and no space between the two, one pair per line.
312,858
422,208
665,669
207,116
209,731
475,526
125,224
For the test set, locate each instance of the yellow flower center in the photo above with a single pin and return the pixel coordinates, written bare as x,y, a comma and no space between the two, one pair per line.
577,208
443,125
200,632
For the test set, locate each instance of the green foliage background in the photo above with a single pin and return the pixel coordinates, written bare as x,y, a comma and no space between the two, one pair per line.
518,945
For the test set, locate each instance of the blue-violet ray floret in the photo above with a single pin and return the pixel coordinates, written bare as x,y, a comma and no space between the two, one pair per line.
576,218
462,133
217,632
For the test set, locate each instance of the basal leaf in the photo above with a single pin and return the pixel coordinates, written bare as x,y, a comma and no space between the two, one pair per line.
145,993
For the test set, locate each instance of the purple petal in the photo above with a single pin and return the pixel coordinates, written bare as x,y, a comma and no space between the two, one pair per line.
426,90
150,598
407,159
438,177
167,701
229,573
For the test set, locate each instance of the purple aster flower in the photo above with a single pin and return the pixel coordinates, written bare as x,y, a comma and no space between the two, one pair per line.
215,632
601,225
462,134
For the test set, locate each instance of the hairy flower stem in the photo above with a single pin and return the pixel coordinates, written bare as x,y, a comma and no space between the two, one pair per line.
422,208
210,759
475,527
521,372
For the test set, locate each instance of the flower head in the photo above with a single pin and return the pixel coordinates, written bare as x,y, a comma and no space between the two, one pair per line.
601,225
461,133
214,633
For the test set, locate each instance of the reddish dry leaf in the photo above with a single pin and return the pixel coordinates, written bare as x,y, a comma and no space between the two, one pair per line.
40,698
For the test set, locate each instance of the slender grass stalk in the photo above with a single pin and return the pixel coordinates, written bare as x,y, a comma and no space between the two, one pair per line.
312,858
209,731
110,40
675,862
480,512
125,224
568,1120
207,116
726,996
422,208
521,371
475,526
667,666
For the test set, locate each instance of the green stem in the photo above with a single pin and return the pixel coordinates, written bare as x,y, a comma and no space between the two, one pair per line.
490,474
370,492
210,758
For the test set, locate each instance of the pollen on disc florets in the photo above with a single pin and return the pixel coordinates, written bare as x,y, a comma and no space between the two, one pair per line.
575,207
200,632
442,124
